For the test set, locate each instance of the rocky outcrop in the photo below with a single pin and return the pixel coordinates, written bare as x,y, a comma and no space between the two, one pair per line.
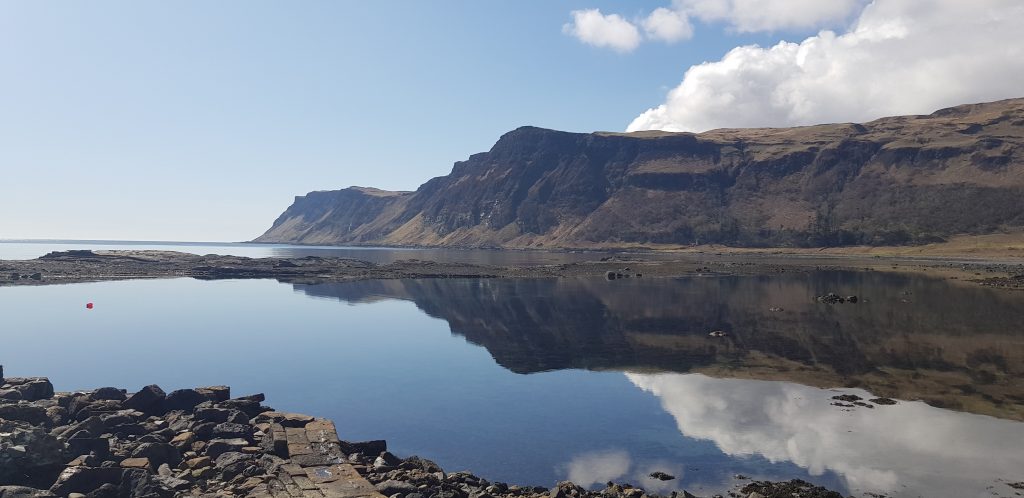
201,442
896,180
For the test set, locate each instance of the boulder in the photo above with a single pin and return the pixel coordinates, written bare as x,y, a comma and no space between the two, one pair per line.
10,394
217,447
85,479
391,486
229,430
148,400
108,394
26,450
85,445
137,463
25,412
370,448
251,408
232,463
32,389
183,399
215,393
158,454
24,492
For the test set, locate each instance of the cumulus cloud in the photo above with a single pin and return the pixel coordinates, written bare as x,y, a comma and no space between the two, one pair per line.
769,15
668,25
611,31
899,57
910,445
672,24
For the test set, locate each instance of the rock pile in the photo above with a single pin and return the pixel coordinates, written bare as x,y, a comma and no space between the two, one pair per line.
108,443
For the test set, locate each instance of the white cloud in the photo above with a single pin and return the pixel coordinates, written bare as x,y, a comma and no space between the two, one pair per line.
888,449
769,15
612,31
900,57
667,25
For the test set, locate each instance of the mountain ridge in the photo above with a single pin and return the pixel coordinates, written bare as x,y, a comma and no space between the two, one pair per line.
891,181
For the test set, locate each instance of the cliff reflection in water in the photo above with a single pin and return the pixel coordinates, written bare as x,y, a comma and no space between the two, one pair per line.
950,344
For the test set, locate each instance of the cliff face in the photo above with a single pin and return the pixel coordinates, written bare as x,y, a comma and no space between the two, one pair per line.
891,181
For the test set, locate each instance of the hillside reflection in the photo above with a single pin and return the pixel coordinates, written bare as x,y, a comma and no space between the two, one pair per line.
950,344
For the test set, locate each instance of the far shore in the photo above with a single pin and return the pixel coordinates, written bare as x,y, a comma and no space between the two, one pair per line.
75,266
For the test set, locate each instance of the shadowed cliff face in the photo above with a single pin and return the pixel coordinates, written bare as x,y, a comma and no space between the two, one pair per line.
892,181
915,338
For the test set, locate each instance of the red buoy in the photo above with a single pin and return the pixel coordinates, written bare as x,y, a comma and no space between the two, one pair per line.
88,306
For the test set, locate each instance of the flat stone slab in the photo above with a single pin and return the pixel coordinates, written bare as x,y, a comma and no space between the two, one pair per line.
317,468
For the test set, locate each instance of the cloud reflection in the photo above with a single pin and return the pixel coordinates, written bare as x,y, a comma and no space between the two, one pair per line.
913,446
599,467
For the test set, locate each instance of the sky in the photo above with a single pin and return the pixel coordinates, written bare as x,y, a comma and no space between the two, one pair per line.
200,121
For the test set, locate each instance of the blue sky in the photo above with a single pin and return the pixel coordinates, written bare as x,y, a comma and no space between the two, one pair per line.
201,120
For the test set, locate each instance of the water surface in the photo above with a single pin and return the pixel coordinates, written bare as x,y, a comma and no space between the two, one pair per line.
535,381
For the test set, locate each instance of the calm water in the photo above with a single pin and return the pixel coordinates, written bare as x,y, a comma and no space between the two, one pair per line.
535,381
14,249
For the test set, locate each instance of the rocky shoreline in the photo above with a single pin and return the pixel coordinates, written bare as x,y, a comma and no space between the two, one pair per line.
93,266
109,443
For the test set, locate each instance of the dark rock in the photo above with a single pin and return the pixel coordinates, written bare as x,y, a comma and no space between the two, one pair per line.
215,415
372,448
58,415
84,409
249,407
24,492
104,491
25,412
108,394
292,420
852,299
172,483
566,489
158,454
270,463
215,394
830,298
415,462
795,487
849,398
10,394
28,451
661,476
32,389
148,400
229,430
257,398
78,446
85,479
183,399
203,431
217,447
883,401
139,483
232,463
391,486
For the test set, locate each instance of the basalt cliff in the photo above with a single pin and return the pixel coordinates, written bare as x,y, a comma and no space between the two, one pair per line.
897,180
